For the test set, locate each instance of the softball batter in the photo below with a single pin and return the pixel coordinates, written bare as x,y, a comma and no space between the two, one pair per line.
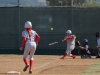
70,44
30,39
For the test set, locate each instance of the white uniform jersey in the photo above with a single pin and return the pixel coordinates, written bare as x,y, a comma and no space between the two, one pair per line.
98,42
71,41
30,45
26,34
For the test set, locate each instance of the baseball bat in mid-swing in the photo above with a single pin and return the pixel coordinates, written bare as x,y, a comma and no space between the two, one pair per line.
54,43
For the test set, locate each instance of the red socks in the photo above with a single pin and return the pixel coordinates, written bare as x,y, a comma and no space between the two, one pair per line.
31,64
64,56
26,61
73,56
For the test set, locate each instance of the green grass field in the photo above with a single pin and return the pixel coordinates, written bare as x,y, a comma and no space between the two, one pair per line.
92,70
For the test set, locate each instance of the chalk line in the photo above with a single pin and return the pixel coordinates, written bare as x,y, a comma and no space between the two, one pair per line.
46,64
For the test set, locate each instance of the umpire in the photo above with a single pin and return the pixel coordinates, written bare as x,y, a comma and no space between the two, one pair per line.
97,49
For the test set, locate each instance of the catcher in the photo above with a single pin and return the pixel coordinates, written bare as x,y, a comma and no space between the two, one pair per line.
70,39
84,50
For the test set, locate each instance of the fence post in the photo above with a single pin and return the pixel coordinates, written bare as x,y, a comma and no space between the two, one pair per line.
71,2
19,25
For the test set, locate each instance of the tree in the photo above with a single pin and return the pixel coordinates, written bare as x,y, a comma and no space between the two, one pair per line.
64,2
91,3
78,2
57,2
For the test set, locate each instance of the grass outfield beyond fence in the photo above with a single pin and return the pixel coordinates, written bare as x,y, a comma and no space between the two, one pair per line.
92,70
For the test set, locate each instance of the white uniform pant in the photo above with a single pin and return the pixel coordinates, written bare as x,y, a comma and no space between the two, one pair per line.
69,49
29,48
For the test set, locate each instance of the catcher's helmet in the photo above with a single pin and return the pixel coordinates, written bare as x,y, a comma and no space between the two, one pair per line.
85,40
28,24
69,32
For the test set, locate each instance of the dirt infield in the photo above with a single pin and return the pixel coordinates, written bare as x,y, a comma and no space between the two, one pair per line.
46,65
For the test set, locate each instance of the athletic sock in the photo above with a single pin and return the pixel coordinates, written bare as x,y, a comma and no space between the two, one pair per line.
73,56
31,64
64,55
26,61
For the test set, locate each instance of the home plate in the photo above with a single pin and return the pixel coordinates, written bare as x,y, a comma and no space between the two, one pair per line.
13,73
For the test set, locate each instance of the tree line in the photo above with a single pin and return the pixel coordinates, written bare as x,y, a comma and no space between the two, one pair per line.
82,3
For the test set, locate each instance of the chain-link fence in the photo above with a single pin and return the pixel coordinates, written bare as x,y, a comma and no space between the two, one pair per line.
83,22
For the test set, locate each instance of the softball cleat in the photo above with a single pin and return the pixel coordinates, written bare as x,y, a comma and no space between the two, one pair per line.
30,72
25,69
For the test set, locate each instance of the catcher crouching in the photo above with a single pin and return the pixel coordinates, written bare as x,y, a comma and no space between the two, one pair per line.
84,50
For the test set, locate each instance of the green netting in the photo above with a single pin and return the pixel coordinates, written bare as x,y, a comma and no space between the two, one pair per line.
84,22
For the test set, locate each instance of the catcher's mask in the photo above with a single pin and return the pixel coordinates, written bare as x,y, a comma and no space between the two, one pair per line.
85,41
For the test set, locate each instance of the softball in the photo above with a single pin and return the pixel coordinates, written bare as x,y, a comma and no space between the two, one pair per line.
51,28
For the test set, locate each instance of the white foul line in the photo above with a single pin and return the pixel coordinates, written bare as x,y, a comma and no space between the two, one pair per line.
45,64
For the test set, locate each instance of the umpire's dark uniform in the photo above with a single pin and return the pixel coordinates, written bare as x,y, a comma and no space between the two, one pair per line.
97,49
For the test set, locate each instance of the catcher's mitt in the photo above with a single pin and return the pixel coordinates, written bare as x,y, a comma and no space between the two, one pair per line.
77,43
